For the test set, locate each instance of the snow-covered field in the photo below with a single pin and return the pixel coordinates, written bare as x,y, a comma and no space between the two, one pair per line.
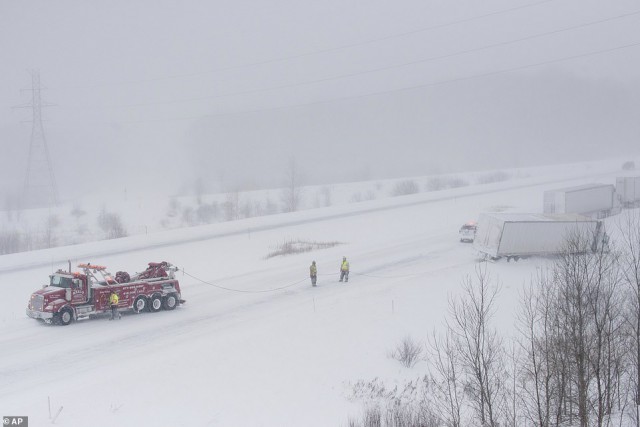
255,344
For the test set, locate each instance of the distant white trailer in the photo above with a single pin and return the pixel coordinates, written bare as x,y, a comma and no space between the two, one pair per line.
517,235
628,190
596,200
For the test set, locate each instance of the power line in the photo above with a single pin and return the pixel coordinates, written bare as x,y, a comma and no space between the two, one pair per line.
321,51
40,187
385,92
247,291
375,70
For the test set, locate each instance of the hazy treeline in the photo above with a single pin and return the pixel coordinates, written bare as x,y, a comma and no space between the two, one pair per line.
21,231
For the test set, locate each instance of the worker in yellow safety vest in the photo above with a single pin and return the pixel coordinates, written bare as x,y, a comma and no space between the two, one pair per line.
113,302
344,269
313,273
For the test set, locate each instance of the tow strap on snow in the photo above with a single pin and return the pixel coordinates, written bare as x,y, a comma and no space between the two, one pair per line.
248,291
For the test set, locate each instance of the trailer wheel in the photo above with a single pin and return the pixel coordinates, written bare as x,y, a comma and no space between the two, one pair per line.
140,304
156,303
170,302
65,316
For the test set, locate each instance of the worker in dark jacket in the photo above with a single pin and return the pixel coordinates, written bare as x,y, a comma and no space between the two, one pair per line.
313,273
344,269
113,302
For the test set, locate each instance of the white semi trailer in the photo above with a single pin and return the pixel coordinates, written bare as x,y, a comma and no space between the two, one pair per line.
628,190
596,200
518,235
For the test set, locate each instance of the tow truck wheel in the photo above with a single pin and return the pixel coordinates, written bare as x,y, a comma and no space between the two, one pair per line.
65,316
140,304
156,303
170,302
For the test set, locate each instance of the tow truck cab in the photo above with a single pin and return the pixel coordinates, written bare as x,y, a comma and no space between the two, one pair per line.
63,289
76,289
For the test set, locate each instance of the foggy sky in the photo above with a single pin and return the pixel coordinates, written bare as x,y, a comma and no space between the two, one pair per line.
156,94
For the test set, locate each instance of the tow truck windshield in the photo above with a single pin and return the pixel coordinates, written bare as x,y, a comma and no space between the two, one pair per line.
60,281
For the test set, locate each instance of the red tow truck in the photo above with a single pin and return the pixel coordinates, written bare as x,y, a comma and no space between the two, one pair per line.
80,295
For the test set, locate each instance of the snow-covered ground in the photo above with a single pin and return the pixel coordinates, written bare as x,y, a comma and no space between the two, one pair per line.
255,344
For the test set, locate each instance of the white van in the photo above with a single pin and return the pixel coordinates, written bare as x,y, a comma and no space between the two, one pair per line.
468,232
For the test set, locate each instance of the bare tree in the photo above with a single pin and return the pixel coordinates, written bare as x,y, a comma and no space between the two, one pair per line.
199,188
10,242
512,402
589,318
446,378
51,224
12,206
479,346
292,193
326,192
543,385
231,206
629,228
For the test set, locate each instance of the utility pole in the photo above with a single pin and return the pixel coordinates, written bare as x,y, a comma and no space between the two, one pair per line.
40,189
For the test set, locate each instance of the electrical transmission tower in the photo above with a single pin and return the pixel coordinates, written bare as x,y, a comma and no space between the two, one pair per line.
40,188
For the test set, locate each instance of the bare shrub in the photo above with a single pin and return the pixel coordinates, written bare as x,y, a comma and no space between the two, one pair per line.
369,195
440,183
206,213
188,216
372,417
492,177
403,188
629,165
296,246
270,207
396,416
407,352
408,405
456,182
363,196
435,184
111,224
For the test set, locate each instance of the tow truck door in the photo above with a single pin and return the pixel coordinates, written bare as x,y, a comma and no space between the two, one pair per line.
79,291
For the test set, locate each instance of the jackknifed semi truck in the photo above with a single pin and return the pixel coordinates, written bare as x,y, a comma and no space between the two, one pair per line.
520,235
